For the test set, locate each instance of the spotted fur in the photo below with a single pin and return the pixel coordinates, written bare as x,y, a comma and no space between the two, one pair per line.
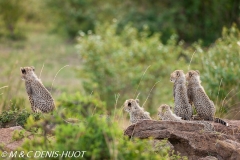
204,106
182,106
39,97
165,113
136,112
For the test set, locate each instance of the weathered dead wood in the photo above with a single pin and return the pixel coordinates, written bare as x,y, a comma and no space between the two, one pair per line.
190,139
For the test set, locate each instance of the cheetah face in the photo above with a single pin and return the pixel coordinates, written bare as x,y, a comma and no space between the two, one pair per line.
193,76
131,105
177,75
163,108
27,73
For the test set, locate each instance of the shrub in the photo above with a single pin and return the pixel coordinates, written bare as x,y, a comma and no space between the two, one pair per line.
11,11
220,67
179,17
81,105
16,117
114,64
72,16
160,16
100,136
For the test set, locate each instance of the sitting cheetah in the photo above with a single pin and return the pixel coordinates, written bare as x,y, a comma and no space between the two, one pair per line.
165,113
136,112
182,106
204,106
39,97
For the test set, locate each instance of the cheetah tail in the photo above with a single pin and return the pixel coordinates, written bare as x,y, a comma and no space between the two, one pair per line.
218,120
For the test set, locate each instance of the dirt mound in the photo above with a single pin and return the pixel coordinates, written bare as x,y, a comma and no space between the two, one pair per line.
6,138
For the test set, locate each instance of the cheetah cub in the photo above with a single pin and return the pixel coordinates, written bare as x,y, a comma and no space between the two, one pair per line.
39,97
136,112
204,106
165,113
182,106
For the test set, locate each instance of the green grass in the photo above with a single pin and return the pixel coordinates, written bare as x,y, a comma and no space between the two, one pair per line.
40,48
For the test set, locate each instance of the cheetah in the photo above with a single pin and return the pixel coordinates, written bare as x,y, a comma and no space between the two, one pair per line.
39,97
182,106
165,113
136,112
204,106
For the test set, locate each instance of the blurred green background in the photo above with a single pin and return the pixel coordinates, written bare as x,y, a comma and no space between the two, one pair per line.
95,54
118,50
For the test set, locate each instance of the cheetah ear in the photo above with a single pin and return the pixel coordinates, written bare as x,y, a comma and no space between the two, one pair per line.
137,100
197,72
178,73
23,70
190,74
33,68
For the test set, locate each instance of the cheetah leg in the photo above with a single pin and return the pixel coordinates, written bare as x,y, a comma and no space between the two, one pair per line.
34,109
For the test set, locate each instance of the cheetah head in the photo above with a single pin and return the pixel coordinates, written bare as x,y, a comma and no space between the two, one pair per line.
177,76
131,105
163,108
28,73
193,76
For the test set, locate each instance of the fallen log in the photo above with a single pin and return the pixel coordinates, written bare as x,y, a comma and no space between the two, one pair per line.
190,139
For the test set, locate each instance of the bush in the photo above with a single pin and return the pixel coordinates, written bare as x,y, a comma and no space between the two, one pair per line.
166,17
220,67
100,136
82,105
114,64
16,117
72,16
11,11
191,20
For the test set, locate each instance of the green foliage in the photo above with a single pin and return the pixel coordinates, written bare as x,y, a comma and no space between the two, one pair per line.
7,117
99,135
73,15
191,20
114,64
82,105
178,157
15,117
11,11
221,69
114,59
18,135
